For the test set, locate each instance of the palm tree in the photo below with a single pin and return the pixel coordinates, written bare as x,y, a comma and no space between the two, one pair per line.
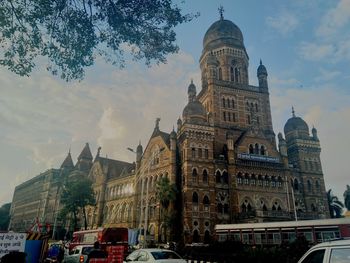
335,206
165,193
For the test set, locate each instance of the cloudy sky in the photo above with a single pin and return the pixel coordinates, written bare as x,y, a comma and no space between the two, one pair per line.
305,46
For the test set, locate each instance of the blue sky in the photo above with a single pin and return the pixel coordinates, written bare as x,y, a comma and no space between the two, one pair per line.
305,46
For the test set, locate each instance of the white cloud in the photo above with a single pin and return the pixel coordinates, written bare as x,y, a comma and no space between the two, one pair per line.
335,19
284,22
315,52
327,75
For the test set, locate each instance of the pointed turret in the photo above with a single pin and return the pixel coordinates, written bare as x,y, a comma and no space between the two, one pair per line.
85,159
262,75
68,162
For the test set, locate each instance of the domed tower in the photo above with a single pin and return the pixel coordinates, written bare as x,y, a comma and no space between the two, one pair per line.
304,160
224,56
194,112
262,76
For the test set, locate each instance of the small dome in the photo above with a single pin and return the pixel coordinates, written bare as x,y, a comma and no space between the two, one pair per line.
261,69
223,32
194,108
296,123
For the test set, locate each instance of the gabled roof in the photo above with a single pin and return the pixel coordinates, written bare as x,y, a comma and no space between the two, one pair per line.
115,168
68,162
165,136
85,153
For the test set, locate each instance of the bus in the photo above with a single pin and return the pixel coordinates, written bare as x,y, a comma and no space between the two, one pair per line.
274,233
105,236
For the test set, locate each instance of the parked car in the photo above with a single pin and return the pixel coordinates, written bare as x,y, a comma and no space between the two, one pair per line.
78,254
336,251
154,255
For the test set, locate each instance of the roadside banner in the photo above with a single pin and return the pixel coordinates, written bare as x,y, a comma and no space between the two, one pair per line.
11,241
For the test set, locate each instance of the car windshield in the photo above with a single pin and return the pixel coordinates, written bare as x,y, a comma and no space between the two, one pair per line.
86,250
164,255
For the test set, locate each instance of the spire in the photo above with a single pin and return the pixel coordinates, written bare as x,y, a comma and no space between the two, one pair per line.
68,162
260,62
293,112
157,124
85,153
98,153
221,12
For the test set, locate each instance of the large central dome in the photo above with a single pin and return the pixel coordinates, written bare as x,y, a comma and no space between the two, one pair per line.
223,32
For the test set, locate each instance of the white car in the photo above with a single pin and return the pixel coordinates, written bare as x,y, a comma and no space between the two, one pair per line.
154,255
78,254
336,251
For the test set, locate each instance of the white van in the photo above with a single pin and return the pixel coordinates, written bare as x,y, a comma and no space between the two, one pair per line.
336,251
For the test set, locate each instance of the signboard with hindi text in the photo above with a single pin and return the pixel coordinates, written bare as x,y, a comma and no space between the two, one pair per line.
10,241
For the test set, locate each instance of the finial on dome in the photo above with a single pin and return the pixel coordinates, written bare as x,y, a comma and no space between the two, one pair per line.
293,112
221,11
191,81
260,62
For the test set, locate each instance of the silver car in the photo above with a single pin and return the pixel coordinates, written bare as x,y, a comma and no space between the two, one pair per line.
78,254
154,255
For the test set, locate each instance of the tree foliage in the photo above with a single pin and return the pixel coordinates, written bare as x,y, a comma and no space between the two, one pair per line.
71,34
165,194
5,216
76,195
335,205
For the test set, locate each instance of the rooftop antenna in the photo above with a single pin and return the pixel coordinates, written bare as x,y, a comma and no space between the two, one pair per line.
221,11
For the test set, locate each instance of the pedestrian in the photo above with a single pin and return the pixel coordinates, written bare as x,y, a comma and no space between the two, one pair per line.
97,252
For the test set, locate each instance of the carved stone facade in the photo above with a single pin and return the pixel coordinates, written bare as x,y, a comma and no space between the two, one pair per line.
223,157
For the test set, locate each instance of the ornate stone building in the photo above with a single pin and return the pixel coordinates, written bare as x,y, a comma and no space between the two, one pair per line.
223,157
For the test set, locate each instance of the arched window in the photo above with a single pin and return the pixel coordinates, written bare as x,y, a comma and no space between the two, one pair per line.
251,149
223,102
317,185
233,103
260,180
205,176
246,206
220,74
256,148
253,180
296,184
236,75
246,179
262,150
218,177
273,181
239,178
225,177
195,198
266,181
193,150
194,175
206,153
206,203
228,103
279,181
195,236
276,206
256,107
232,76
224,116
309,186
200,155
